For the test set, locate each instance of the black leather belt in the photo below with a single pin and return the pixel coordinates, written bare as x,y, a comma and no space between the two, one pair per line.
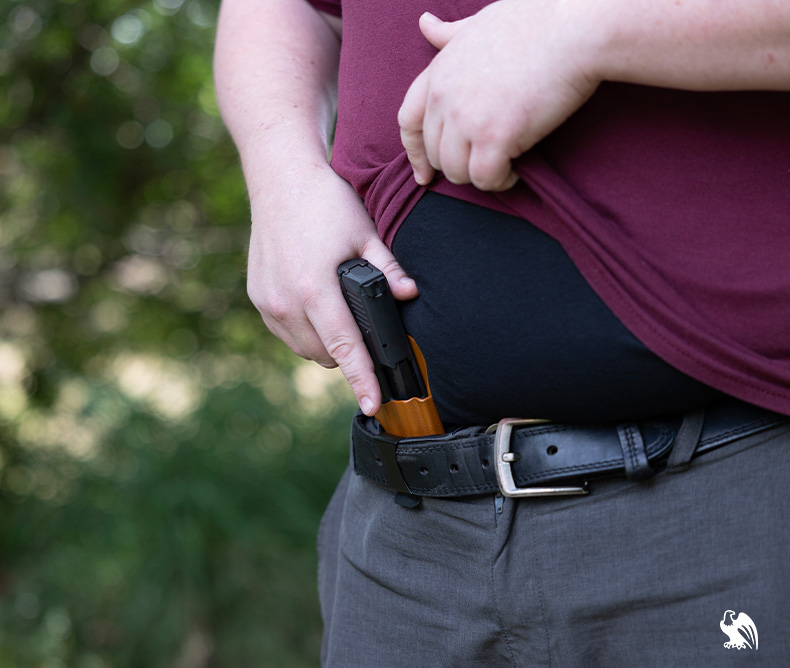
538,458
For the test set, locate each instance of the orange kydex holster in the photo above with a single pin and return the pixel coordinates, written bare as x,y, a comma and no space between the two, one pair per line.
412,417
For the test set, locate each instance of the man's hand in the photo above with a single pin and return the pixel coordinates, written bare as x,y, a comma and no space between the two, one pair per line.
276,70
504,78
509,75
297,244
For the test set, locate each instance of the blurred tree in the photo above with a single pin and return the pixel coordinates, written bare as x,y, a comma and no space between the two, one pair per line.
164,461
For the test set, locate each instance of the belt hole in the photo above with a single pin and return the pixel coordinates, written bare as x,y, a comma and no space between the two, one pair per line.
485,463
453,468
552,450
423,471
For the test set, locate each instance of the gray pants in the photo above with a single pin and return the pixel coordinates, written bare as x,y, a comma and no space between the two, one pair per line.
633,575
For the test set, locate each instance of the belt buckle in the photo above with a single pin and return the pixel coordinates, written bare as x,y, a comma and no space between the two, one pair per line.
505,458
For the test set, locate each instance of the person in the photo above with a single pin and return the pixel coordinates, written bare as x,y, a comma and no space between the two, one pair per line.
583,209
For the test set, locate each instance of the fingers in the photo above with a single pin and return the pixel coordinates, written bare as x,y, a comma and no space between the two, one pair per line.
340,337
317,325
439,32
454,155
431,145
421,132
402,286
491,169
410,119
437,137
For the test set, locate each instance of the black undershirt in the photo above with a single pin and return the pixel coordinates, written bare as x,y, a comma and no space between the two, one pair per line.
509,328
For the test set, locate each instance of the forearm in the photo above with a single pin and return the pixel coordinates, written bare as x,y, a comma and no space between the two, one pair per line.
276,69
702,45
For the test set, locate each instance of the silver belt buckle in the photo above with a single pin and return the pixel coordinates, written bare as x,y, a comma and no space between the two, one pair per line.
505,457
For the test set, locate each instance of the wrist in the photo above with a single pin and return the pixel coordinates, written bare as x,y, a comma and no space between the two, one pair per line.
622,33
281,160
588,31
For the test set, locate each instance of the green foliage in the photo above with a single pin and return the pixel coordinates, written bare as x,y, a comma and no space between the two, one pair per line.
164,461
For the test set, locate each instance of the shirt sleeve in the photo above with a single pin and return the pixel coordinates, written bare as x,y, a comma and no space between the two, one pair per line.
329,6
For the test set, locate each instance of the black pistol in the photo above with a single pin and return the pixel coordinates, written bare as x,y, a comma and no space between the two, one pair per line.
368,296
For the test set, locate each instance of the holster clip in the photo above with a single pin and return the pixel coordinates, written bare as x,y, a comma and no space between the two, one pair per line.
386,445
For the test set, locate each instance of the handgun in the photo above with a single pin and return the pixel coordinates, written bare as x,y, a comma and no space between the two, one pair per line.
368,296
407,406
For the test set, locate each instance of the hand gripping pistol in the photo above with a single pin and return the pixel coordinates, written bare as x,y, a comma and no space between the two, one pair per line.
407,405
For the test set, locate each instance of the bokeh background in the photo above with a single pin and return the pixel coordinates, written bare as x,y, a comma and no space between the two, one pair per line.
164,461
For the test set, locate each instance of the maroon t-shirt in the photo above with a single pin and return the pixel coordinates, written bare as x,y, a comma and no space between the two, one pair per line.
674,205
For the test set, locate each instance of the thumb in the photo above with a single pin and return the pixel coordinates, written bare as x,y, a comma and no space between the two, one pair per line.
438,32
403,287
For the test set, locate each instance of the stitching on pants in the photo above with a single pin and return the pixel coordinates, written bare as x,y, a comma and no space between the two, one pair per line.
499,619
539,577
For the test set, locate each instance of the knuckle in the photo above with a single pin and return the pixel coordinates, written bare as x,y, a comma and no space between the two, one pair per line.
310,294
340,348
437,92
307,345
389,267
489,173
485,184
506,183
275,307
481,178
455,177
413,146
271,303
407,120
486,132
311,348
460,117
456,171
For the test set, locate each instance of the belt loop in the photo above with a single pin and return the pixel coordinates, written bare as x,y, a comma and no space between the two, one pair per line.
634,454
686,442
